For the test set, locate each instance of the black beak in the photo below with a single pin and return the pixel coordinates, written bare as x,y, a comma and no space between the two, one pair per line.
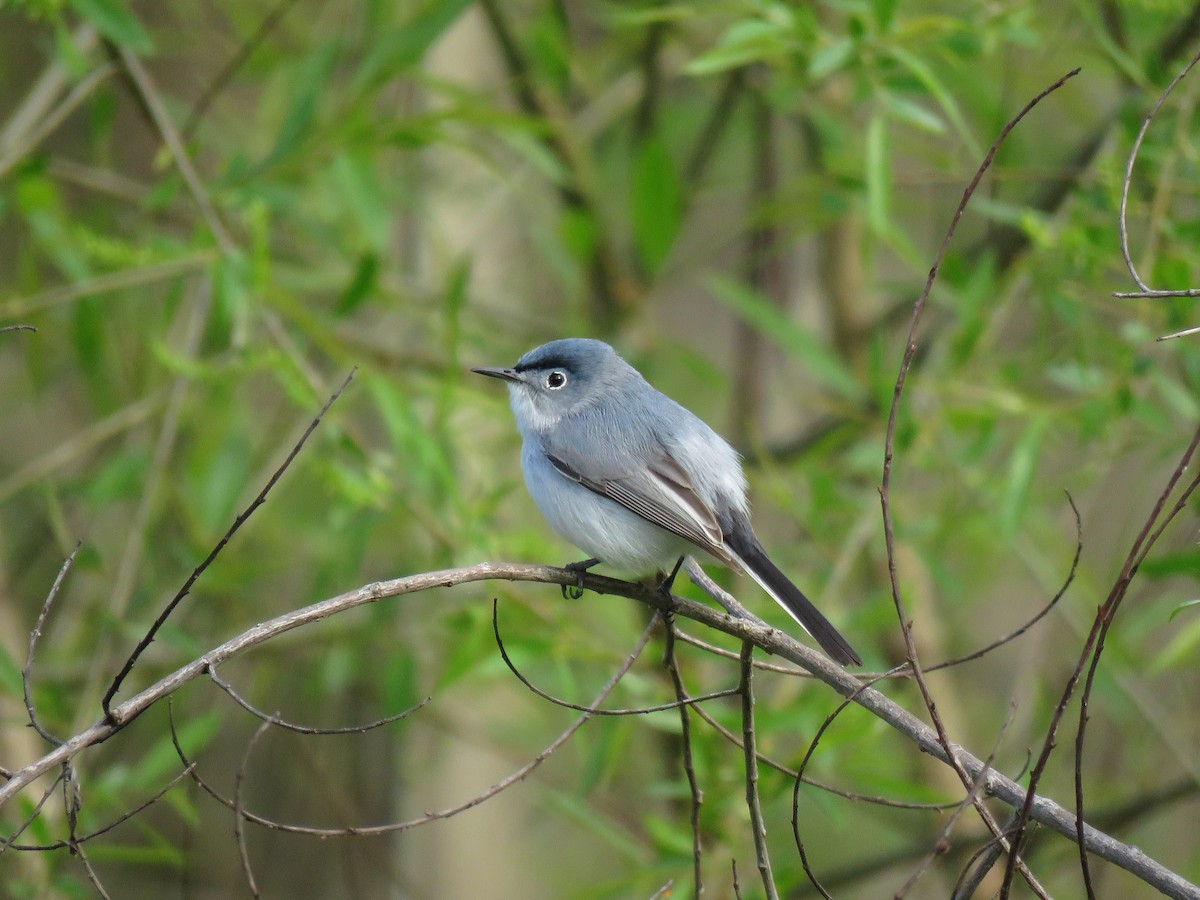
497,372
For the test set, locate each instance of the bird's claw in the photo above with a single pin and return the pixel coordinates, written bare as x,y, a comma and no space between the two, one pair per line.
575,591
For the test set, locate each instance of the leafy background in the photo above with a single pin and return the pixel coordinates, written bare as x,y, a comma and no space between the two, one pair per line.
744,197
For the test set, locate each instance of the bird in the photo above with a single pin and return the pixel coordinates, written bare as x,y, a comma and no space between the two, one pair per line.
635,480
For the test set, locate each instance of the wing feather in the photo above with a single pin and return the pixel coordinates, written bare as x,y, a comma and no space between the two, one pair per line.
661,493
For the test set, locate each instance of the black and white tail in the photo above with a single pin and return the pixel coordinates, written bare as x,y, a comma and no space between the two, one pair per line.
749,552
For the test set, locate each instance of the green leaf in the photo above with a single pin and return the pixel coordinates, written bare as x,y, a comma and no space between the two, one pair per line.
747,41
831,57
366,274
115,22
1181,649
360,192
310,83
878,176
758,311
944,97
912,113
161,761
1022,464
407,44
1188,604
655,203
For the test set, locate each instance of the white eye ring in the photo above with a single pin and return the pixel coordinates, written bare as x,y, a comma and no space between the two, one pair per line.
556,380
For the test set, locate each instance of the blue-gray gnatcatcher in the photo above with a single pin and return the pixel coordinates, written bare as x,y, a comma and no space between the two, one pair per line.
633,479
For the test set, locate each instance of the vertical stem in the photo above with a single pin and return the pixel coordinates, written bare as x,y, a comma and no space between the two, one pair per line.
751,754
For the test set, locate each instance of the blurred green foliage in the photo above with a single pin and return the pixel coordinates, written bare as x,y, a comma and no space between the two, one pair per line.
745,198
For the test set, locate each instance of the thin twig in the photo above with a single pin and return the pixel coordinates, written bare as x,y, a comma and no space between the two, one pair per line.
34,635
10,840
779,767
219,82
148,638
702,580
758,827
888,457
1108,614
306,729
238,816
1144,289
104,829
55,117
685,740
799,778
680,703
113,281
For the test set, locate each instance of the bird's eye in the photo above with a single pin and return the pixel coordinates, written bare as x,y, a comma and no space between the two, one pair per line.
555,380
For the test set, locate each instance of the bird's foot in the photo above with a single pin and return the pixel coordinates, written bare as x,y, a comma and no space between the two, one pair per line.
575,591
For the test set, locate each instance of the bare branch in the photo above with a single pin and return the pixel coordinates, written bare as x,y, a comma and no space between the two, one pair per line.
238,817
685,737
888,457
680,703
306,729
1144,289
34,635
758,827
148,638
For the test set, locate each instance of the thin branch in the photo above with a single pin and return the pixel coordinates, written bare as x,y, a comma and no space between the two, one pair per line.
104,829
779,767
148,638
680,703
91,873
34,635
306,729
942,843
702,580
605,294
238,816
799,777
1108,614
1145,290
758,827
888,455
685,739
55,117
45,89
113,281
10,841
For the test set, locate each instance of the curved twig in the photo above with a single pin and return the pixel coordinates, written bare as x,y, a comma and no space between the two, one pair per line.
306,729
592,710
1145,290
